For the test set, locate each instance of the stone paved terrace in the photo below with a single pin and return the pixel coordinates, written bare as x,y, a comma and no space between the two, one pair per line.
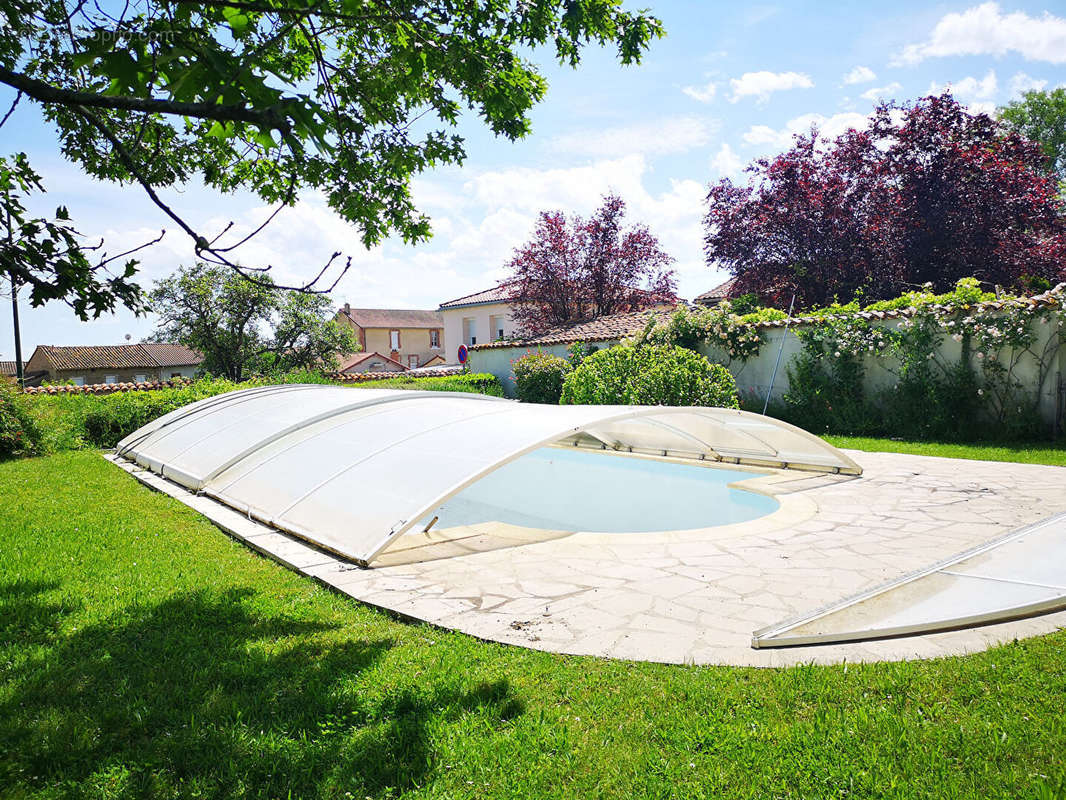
697,596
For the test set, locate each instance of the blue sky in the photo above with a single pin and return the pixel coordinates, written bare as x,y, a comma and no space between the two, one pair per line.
727,84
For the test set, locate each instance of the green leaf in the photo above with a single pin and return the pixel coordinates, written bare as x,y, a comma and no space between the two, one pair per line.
237,20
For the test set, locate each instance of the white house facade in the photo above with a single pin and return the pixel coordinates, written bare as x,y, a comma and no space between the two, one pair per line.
477,318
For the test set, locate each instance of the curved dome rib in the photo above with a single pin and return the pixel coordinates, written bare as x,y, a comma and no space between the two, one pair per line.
638,415
353,469
195,443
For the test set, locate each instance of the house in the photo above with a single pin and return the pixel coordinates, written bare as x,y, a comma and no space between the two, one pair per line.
9,368
477,318
411,337
716,295
123,363
369,362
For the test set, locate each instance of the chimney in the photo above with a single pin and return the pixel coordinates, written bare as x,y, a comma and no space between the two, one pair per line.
347,308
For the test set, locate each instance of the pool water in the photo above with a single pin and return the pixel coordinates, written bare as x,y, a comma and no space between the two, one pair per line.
566,489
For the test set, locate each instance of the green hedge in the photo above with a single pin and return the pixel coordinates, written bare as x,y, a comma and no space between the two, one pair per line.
34,424
539,377
471,382
653,375
20,431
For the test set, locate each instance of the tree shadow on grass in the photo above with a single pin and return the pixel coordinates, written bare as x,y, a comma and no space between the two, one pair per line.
26,618
201,693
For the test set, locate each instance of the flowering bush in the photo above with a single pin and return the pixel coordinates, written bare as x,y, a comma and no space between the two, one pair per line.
933,396
539,377
736,337
648,374
19,432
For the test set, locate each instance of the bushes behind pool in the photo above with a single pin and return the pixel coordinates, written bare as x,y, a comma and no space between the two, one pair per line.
654,375
539,377
20,433
45,423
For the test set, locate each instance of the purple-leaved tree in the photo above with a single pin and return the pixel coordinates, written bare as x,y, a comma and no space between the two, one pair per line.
576,269
926,193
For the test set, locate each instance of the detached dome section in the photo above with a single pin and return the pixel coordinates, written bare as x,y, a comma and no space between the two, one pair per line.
352,469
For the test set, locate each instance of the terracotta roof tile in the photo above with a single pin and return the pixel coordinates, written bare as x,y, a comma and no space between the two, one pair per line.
121,356
1051,299
497,294
421,372
8,368
172,355
356,359
106,388
719,292
394,317
602,329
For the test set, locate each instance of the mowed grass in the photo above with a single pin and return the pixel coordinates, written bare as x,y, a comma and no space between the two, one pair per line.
1021,452
144,654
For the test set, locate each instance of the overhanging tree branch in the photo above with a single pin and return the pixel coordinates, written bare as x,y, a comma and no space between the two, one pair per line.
269,118
204,248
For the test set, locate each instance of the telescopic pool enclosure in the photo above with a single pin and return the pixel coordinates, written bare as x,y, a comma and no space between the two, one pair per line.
350,470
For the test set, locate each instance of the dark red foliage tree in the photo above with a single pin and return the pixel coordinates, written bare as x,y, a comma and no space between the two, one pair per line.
927,193
578,269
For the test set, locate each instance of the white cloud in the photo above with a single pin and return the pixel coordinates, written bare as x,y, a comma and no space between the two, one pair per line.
860,75
974,93
726,163
702,94
985,30
674,215
675,135
878,92
1022,83
969,88
755,15
829,127
762,84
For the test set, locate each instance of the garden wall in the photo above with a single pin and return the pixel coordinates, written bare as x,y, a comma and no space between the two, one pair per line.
753,376
497,360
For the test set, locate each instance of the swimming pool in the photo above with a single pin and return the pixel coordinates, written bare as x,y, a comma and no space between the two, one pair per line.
567,489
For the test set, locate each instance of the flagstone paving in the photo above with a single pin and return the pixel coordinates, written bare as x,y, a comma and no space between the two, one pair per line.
697,596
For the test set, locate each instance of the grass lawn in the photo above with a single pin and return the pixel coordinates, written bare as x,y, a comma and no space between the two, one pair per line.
145,654
1022,452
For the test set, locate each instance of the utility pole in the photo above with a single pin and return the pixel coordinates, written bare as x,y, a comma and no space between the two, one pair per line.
20,378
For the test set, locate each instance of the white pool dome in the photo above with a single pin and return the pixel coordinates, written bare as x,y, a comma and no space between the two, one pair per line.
353,469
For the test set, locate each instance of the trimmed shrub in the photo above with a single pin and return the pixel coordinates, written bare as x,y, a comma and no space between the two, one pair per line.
652,375
539,377
19,433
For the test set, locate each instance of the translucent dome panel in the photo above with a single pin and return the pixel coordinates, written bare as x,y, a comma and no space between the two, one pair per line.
351,469
192,448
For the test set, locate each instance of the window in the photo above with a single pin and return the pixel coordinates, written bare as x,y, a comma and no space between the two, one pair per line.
469,331
496,326
140,377
394,340
78,381
412,362
434,339
175,374
110,379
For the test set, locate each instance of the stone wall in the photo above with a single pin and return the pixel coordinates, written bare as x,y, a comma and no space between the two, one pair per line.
753,376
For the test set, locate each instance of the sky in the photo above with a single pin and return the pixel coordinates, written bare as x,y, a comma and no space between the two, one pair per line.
729,83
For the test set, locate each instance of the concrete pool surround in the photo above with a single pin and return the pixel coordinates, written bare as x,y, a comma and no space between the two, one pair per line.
842,536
